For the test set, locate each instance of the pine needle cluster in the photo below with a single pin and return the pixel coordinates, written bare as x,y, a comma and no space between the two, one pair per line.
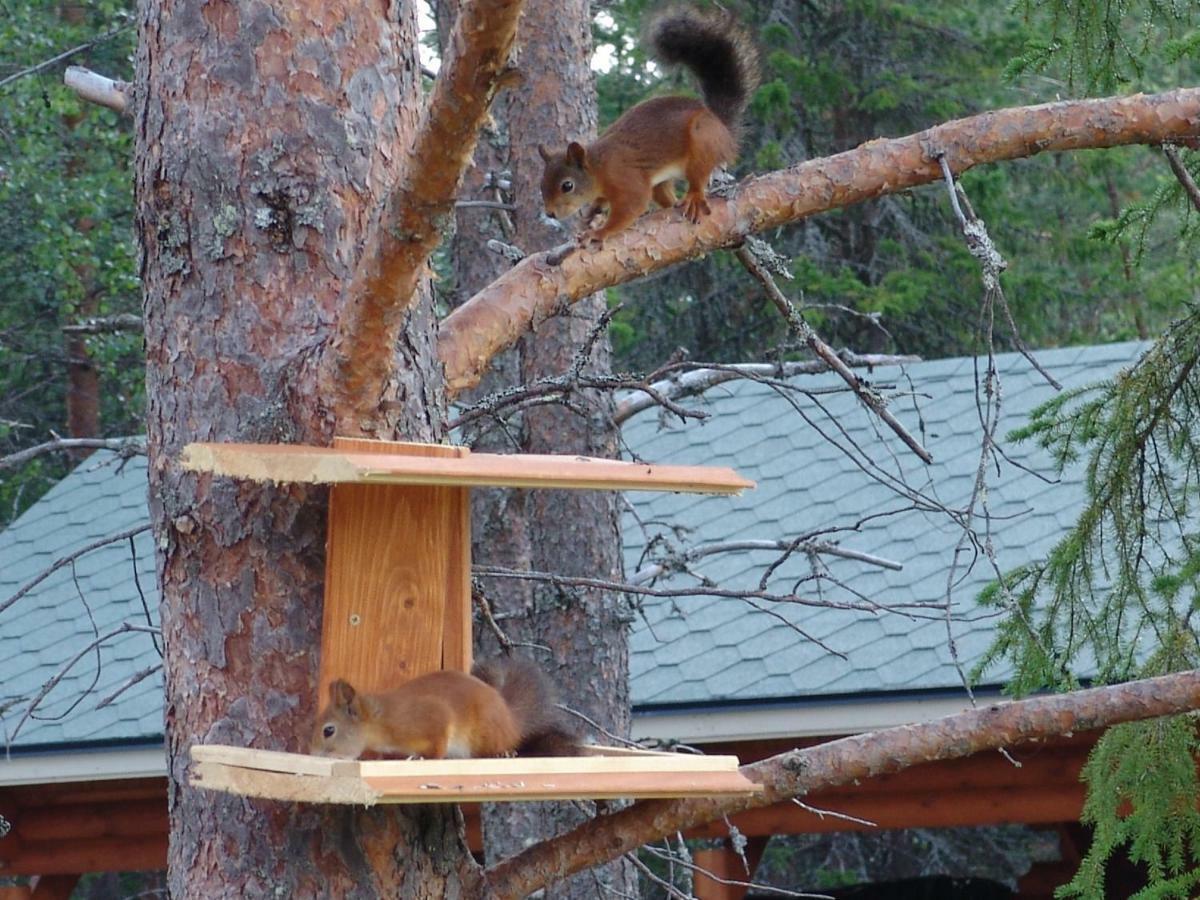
1117,598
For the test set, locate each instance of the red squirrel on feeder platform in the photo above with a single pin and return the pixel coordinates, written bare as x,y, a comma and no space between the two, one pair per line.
503,707
663,138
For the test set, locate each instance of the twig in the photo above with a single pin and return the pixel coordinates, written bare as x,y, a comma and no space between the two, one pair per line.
700,590
1184,176
105,324
822,813
67,560
124,628
991,263
805,333
698,379
137,582
654,570
732,882
484,204
126,448
33,70
135,678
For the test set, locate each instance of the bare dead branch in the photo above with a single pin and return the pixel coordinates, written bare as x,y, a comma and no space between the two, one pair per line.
773,890
696,381
134,679
52,683
65,55
1184,176
99,89
123,447
846,761
870,397
534,290
991,263
698,590
656,569
105,324
67,560
409,227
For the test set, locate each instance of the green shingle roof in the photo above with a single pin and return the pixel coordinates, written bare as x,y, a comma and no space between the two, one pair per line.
703,650
56,620
689,650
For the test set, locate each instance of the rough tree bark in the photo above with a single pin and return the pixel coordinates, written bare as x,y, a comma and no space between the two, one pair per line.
267,134
585,632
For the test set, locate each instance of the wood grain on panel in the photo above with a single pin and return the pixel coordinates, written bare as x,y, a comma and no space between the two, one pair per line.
394,562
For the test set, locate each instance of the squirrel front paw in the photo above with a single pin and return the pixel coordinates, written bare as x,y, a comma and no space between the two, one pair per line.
589,240
695,207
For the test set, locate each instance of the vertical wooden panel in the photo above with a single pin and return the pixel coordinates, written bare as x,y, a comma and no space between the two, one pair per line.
397,565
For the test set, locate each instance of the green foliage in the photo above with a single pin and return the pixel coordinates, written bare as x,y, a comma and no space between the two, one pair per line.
66,235
1124,576
1104,46
1116,599
1142,798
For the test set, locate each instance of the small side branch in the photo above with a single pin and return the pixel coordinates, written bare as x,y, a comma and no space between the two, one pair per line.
65,55
409,227
1184,176
96,88
67,560
105,324
845,761
123,447
697,381
868,395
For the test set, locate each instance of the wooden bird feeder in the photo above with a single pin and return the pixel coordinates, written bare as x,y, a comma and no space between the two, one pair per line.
398,605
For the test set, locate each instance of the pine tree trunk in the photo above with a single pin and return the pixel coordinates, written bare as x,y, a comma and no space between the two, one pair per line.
267,132
572,532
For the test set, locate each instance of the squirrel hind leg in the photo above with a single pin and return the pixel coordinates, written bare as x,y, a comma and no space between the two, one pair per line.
709,145
664,194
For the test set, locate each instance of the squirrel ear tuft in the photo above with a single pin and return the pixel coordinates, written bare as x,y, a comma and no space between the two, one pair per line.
545,154
342,695
576,155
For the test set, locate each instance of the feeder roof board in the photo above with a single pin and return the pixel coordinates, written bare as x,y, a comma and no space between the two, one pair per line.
331,465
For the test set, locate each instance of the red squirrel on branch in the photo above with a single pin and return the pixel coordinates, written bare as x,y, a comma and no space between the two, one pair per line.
503,707
664,138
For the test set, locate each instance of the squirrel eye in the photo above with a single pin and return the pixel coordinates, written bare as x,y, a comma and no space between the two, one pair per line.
329,731
568,186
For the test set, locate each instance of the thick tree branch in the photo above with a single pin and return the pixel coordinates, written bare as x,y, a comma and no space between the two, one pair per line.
410,224
97,88
534,290
846,761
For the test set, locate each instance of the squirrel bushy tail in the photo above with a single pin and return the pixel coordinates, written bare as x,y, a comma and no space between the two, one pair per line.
532,700
719,51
